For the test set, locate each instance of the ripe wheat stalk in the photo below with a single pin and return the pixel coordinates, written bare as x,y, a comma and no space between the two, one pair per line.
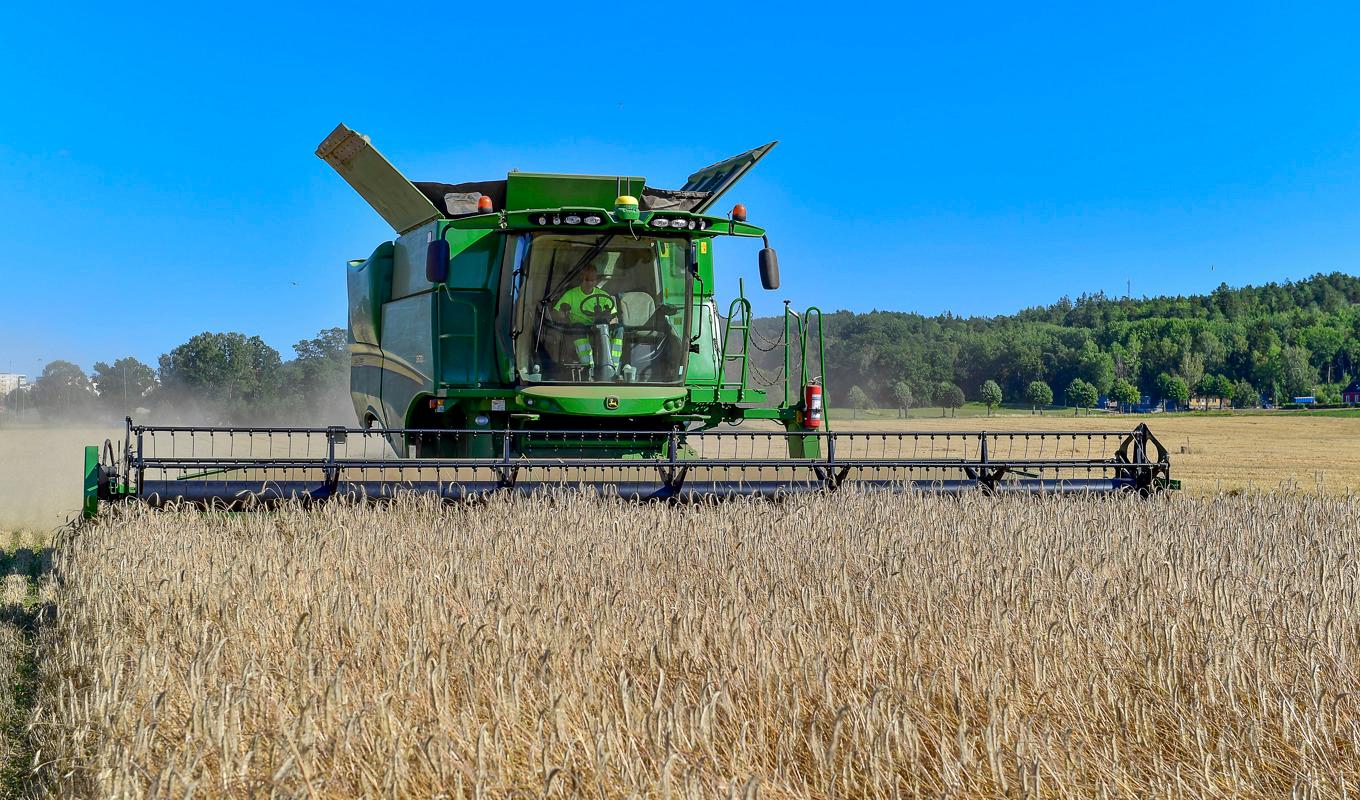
858,645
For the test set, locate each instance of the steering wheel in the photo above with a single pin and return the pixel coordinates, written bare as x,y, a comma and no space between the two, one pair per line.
599,313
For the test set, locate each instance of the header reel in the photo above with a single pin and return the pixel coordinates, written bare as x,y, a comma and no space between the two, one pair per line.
240,468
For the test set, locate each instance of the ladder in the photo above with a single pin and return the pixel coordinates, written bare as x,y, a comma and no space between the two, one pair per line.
738,321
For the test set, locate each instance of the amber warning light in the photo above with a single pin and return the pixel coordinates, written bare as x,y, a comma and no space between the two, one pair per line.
484,204
739,212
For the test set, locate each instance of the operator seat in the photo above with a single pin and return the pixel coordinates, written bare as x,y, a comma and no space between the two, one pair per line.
643,340
636,309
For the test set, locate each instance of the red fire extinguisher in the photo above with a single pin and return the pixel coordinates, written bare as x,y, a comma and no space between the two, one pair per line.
812,406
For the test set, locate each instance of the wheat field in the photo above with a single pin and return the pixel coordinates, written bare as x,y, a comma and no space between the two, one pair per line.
1210,454
860,645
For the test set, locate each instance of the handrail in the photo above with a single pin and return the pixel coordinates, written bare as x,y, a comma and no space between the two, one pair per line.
788,366
821,360
743,306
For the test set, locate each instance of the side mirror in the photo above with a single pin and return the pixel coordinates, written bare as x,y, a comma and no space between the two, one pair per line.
437,261
769,268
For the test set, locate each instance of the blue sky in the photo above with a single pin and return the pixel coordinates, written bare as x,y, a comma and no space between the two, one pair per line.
157,177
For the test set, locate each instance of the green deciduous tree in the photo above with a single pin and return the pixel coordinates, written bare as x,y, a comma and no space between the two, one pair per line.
1323,343
1210,349
903,398
1162,385
1297,374
123,385
858,399
229,370
1191,368
1173,389
948,396
990,395
1244,395
63,391
1128,358
1038,394
1222,389
1328,393
1081,394
1095,367
319,375
1124,393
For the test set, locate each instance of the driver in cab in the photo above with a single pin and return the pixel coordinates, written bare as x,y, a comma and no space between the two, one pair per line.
588,305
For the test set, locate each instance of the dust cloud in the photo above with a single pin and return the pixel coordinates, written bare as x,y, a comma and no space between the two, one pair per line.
42,466
330,410
42,474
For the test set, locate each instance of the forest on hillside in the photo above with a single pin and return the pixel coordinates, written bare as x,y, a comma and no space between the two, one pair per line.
1276,341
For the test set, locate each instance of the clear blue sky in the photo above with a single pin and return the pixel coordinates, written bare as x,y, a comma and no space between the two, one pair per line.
157,177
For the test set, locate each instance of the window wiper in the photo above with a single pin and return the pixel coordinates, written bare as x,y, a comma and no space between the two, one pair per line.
543,303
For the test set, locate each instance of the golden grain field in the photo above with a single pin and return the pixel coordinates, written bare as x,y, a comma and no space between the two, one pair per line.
1209,454
858,645
40,468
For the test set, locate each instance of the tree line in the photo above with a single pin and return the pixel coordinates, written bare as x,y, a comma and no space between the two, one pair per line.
213,377
1234,346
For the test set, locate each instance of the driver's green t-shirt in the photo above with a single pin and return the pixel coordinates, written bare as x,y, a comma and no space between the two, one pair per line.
582,307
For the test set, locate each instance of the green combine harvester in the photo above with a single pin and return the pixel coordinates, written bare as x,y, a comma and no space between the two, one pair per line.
549,330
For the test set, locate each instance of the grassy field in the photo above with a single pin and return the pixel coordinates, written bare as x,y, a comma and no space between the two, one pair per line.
1209,452
871,647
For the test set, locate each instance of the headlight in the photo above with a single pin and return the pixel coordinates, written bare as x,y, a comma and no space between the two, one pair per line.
691,224
557,220
658,222
572,219
592,220
542,220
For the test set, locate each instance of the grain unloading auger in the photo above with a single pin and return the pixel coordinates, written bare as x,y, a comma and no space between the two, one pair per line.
548,330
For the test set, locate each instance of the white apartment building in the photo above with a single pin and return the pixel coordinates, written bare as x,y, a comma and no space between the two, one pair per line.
9,381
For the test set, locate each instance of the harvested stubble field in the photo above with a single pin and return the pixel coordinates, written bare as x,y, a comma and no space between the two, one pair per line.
858,645
1209,453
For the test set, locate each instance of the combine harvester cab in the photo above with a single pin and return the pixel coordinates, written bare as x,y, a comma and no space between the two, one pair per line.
548,330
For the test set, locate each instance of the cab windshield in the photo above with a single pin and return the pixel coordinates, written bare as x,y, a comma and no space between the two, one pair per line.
602,309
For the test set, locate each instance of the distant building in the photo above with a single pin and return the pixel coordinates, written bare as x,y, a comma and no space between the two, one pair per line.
9,381
1351,394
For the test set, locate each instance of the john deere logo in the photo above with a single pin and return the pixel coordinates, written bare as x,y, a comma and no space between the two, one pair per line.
611,402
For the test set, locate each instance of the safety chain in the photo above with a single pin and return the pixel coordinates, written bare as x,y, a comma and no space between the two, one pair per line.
772,343
764,380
